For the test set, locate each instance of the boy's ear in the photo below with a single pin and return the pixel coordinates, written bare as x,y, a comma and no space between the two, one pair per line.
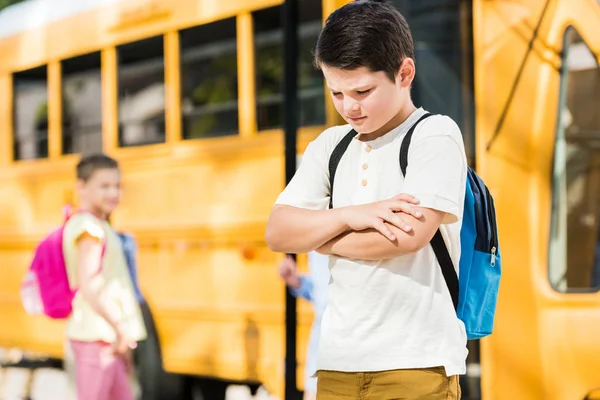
406,73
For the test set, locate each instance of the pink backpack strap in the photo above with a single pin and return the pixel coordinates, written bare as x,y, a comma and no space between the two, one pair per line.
67,211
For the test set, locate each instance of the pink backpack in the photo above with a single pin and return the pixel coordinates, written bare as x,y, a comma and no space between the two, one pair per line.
46,289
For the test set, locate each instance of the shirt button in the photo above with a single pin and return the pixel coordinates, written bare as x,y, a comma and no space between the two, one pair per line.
368,149
365,166
364,182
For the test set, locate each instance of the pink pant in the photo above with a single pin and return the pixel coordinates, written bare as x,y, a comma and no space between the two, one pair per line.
99,374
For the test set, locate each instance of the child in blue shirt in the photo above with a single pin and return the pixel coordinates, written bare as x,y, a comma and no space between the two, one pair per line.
313,288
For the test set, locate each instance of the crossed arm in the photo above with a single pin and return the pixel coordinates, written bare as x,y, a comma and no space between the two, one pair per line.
375,231
371,245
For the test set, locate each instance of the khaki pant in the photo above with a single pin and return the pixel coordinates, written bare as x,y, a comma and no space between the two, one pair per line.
404,384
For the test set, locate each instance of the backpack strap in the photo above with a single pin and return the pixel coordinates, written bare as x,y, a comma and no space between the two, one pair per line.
443,257
406,143
335,158
437,242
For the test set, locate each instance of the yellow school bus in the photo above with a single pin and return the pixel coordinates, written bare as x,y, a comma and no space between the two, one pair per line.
187,95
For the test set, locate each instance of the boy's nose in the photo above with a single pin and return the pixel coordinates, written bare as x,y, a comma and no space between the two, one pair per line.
351,107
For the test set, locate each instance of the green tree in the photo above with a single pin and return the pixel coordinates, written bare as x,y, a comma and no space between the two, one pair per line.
6,3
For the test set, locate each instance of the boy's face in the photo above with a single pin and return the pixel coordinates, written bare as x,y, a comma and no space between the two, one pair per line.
103,190
366,100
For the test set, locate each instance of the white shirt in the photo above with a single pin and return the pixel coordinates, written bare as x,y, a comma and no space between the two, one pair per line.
398,313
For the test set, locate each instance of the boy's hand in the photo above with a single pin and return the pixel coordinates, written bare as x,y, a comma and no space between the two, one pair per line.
288,272
376,215
122,345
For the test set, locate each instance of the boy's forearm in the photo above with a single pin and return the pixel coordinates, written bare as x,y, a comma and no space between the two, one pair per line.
369,245
90,283
91,292
296,230
373,246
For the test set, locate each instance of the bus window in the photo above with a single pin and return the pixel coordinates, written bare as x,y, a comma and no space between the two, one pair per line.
30,116
141,92
268,40
209,80
82,105
574,260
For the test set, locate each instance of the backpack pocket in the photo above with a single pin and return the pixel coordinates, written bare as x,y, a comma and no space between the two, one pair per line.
481,294
31,298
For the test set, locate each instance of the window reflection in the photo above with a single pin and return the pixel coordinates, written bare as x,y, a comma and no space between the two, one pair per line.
443,41
209,85
268,39
141,92
82,105
575,235
30,116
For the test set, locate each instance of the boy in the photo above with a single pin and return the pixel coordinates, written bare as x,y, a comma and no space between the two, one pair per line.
390,329
313,288
106,321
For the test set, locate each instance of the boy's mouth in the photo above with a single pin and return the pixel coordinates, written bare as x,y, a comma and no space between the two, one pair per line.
358,119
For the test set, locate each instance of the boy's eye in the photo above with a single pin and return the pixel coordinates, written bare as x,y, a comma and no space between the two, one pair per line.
336,94
363,92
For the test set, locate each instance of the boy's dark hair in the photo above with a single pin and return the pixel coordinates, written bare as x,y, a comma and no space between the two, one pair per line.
365,33
90,164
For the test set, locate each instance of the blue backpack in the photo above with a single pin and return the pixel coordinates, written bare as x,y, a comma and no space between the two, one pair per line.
130,251
475,292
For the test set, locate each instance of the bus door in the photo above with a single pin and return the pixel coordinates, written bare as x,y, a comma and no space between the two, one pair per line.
569,314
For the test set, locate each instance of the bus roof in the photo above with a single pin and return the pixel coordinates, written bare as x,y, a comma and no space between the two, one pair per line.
31,14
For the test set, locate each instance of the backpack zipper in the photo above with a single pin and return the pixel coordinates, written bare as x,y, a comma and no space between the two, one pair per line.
492,218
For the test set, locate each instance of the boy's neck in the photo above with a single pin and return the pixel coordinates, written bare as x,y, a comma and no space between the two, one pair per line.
99,214
398,119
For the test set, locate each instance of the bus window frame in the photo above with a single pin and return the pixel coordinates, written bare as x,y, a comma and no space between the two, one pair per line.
209,144
61,62
174,140
560,135
13,124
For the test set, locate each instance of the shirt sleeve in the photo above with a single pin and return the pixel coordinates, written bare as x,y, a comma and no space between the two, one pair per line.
309,188
436,174
306,288
84,224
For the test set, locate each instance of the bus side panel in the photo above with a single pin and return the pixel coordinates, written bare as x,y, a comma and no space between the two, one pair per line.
510,357
542,345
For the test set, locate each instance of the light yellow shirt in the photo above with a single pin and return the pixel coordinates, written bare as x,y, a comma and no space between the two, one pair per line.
117,292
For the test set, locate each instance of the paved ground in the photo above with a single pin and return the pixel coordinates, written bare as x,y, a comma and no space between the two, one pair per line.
49,384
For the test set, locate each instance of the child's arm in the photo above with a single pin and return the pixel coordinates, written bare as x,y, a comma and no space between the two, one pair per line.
300,285
296,230
301,221
436,175
304,288
372,245
90,286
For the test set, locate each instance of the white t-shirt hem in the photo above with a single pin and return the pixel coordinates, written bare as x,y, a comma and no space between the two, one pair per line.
414,362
